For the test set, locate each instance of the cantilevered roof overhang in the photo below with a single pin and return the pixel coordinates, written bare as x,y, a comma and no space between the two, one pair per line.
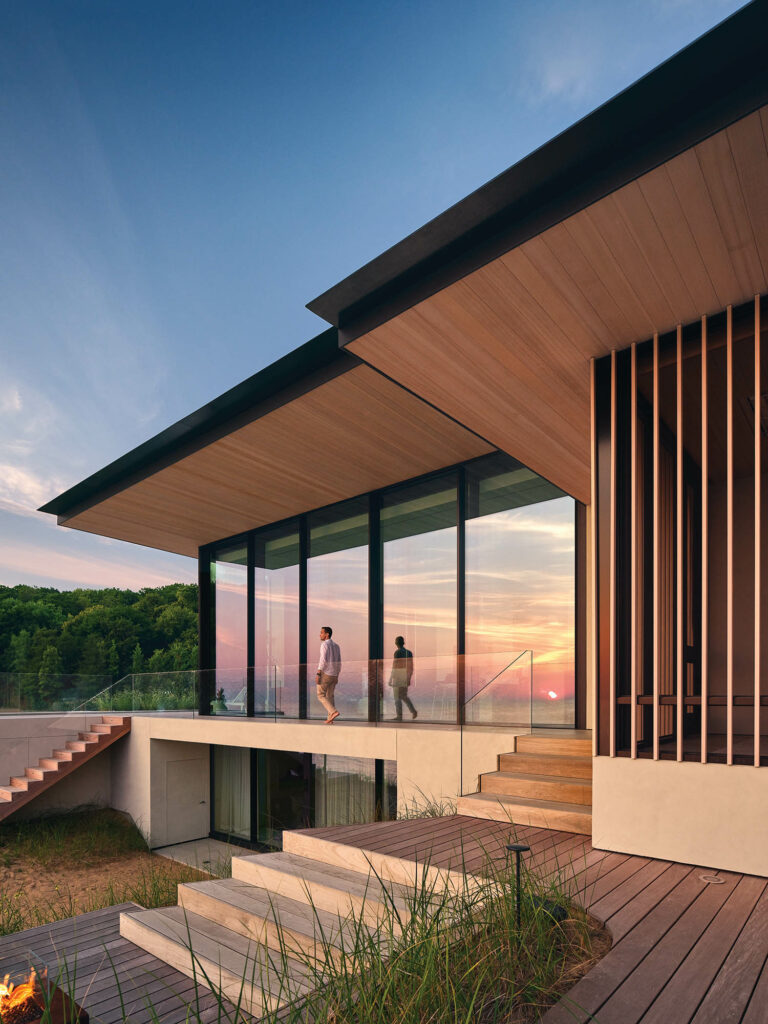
650,212
316,427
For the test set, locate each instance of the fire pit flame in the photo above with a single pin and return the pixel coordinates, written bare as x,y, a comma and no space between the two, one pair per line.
20,1003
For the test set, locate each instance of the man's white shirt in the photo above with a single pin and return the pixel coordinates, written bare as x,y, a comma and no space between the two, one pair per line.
330,658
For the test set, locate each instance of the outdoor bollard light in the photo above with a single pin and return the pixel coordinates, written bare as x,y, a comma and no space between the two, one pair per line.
518,849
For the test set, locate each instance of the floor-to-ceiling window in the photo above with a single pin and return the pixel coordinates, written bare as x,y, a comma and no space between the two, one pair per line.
419,545
229,572
276,623
337,596
520,593
474,568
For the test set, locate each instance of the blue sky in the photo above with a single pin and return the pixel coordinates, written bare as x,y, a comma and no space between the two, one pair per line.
180,178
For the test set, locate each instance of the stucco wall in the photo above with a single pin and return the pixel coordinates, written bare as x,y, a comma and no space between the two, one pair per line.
431,762
708,814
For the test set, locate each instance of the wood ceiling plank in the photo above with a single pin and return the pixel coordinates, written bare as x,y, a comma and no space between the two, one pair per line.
368,429
719,170
628,258
670,219
652,246
550,260
588,236
687,177
748,146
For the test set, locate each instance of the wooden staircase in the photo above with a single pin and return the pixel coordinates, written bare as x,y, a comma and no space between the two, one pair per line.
546,782
248,937
50,770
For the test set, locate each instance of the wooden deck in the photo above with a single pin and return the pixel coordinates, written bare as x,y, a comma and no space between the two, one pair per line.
109,976
685,948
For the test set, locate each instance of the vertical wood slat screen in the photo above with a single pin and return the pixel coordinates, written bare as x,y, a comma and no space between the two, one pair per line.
679,521
704,544
758,523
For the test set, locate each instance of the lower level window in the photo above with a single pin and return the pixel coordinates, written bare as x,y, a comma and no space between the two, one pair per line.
257,794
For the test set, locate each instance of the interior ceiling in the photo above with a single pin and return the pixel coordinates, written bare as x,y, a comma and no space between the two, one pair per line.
506,349
352,434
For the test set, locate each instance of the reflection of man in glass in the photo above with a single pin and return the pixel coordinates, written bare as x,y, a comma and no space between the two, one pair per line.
328,669
400,679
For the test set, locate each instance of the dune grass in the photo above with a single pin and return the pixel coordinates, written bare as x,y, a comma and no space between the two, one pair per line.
94,839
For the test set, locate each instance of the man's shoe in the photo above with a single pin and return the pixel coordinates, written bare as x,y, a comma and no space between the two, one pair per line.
414,714
397,718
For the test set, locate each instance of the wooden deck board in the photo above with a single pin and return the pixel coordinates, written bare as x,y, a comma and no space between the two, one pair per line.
89,950
683,950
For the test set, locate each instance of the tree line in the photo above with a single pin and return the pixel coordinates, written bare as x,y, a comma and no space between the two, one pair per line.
45,633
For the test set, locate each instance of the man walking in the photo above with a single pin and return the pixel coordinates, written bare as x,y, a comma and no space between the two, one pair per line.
400,679
328,670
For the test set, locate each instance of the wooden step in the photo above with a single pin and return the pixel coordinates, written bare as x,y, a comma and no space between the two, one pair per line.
76,746
325,886
243,972
113,720
538,787
571,765
405,872
101,728
41,774
552,744
543,813
53,763
20,783
9,793
267,917
88,737
62,755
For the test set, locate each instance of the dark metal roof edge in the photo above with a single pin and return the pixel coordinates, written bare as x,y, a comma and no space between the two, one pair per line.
306,367
712,82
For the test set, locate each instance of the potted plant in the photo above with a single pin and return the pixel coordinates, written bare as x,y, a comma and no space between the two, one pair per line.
219,705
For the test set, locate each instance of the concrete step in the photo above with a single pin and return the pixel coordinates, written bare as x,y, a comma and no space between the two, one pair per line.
268,918
243,971
547,743
388,867
325,886
571,765
551,814
538,787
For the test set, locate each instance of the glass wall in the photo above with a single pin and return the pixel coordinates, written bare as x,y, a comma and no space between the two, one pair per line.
232,791
229,575
337,596
520,584
420,585
260,793
276,584
471,567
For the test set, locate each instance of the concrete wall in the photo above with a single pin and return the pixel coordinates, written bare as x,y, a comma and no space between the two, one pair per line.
707,814
160,773
24,739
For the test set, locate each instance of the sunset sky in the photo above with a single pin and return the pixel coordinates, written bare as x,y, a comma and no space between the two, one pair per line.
180,177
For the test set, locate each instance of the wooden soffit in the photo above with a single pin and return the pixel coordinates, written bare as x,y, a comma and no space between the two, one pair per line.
352,434
506,349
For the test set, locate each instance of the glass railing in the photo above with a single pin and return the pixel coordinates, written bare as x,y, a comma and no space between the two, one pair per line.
477,689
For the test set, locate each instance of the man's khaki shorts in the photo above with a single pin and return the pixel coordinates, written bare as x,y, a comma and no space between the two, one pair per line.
327,685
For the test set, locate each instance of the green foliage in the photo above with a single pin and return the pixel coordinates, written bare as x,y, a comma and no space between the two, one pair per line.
46,633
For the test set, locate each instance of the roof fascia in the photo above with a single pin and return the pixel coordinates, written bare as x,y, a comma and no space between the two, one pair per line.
713,82
309,366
